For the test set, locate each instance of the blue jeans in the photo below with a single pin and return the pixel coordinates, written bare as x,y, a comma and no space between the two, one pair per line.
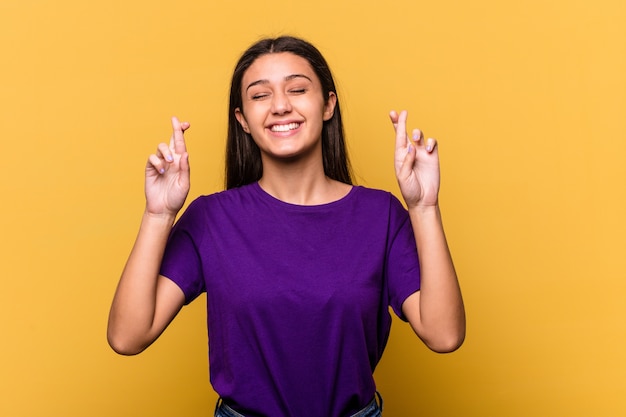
373,409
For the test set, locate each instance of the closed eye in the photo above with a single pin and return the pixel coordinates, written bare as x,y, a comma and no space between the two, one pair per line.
259,96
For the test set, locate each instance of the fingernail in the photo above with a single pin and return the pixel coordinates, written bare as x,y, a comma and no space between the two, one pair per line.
170,158
409,149
162,171
429,148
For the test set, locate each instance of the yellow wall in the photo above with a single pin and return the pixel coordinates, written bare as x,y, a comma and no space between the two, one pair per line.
527,99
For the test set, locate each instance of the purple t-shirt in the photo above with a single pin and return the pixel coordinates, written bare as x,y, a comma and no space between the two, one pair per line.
297,296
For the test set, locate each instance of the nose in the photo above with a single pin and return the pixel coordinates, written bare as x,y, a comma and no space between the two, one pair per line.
280,103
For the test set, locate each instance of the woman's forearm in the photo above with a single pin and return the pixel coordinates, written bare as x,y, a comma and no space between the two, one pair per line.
143,304
439,318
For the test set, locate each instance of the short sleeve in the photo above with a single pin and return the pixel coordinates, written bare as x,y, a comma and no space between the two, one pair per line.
402,268
182,262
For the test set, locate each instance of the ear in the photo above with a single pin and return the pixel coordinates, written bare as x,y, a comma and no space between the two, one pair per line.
329,107
242,120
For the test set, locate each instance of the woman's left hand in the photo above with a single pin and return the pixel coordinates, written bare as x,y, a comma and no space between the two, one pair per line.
416,164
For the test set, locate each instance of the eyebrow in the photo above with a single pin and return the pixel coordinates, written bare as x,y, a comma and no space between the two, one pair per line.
287,78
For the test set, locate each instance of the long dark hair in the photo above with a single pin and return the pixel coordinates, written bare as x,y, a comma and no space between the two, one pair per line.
243,157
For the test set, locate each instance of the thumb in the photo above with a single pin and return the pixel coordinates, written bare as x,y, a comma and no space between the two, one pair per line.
407,164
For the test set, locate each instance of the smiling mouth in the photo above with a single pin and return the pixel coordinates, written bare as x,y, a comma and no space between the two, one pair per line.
285,128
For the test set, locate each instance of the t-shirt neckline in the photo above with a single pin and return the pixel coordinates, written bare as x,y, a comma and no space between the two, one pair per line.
280,203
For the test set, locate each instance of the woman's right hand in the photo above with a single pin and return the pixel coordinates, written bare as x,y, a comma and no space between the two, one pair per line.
167,174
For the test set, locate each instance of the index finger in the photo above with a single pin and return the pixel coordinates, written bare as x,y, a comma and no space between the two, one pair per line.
177,142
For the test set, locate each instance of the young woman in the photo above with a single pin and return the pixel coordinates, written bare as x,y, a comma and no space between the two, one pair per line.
299,265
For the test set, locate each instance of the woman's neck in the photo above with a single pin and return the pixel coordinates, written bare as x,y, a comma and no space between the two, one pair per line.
298,185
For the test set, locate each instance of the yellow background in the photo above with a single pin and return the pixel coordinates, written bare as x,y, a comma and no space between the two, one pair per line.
527,99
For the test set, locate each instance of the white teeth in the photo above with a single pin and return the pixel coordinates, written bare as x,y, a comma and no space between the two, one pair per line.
285,128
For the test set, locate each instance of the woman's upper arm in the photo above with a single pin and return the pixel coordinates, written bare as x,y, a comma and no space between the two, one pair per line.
170,298
411,311
128,336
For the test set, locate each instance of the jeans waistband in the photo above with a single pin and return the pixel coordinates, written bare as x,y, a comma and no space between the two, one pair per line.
374,408
370,410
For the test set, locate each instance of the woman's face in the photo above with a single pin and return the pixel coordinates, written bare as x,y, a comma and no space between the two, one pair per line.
283,107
